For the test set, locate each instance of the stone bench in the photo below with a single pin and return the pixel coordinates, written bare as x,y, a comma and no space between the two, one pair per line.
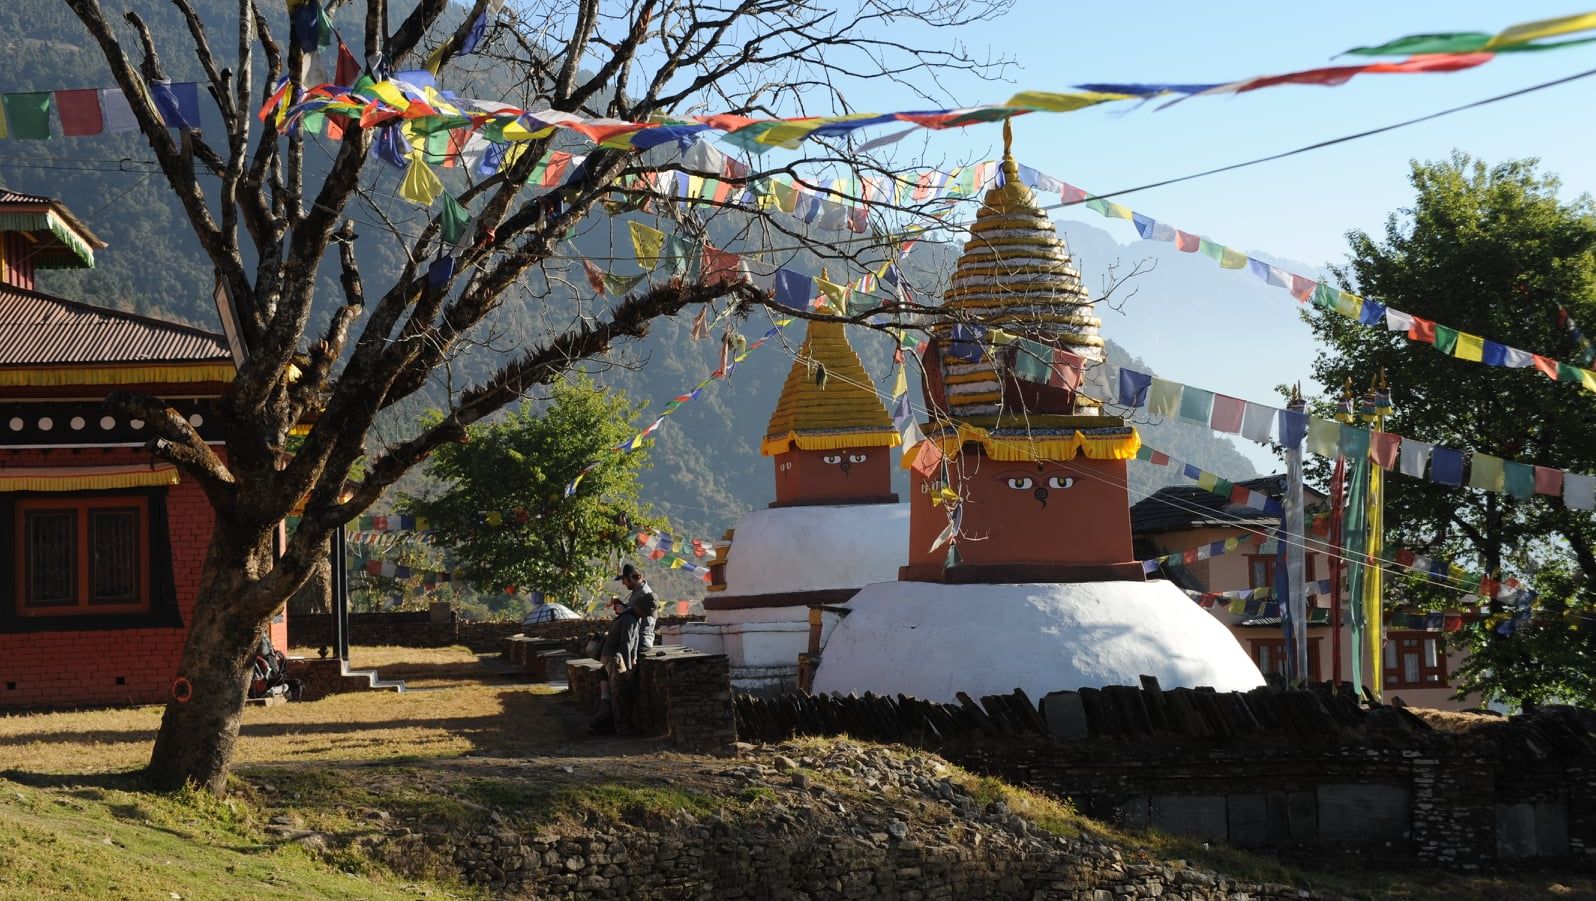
522,650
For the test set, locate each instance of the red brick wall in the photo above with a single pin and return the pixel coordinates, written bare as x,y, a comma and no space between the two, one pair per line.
61,669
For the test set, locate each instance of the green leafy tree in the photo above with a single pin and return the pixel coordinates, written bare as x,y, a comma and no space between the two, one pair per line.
504,515
1490,251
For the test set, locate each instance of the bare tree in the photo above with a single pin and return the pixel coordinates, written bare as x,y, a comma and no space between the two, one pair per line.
627,61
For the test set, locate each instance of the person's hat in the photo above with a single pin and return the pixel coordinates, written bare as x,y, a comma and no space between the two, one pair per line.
643,603
627,570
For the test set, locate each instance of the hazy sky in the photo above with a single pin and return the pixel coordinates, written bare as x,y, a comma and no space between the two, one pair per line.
1299,208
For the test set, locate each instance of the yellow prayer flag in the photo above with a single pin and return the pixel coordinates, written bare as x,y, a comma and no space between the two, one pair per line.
1207,480
1115,211
1524,32
514,131
1238,606
390,94
695,185
900,385
1469,347
786,194
789,134
646,242
1054,102
5,127
420,186
1349,305
1587,379
836,294
1231,259
495,518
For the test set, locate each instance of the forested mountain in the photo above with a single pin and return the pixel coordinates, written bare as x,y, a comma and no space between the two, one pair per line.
706,466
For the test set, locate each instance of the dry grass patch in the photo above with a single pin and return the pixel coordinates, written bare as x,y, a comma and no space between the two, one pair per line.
499,720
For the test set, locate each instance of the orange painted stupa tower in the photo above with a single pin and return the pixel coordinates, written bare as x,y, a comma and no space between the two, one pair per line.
1038,470
829,434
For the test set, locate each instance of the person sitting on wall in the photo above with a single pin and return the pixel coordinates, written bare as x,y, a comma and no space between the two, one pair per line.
622,648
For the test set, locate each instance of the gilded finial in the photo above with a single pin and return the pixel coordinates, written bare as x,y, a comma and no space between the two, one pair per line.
1011,169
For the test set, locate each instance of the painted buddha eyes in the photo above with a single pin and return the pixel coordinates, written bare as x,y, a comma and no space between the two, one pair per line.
832,459
857,458
1026,483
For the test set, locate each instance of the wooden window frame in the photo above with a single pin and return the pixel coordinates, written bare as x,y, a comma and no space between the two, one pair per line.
1393,675
1277,646
1309,568
83,507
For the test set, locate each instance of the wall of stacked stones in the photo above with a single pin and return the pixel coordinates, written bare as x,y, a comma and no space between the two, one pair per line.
441,628
1258,768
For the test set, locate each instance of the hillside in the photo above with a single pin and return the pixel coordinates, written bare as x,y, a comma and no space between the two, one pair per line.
706,468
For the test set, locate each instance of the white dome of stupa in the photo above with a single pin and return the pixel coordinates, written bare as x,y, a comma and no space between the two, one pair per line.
816,548
930,640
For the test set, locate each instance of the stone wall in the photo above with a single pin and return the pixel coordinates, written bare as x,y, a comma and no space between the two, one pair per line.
1260,768
681,694
441,628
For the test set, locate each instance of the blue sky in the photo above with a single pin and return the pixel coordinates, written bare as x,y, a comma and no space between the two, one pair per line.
1299,208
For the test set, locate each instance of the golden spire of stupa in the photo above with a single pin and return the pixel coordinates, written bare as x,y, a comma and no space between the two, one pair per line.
1015,275
829,400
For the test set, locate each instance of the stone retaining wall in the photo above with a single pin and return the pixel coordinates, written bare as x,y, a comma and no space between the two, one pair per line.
441,628
681,694
1257,768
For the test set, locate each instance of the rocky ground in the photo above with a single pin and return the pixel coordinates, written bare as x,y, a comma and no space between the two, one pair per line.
833,819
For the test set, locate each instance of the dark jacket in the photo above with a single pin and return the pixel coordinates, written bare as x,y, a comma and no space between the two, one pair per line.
625,639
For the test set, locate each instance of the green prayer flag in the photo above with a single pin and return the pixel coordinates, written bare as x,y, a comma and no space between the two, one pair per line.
1520,479
1354,442
1445,339
1196,405
1032,360
1355,544
454,219
1324,436
1209,249
1325,297
1565,372
436,147
619,285
28,115
679,259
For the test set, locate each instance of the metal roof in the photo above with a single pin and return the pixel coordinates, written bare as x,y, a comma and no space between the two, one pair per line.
9,196
37,329
1178,507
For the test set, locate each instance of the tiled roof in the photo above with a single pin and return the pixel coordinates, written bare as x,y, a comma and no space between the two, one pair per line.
846,404
38,329
1178,507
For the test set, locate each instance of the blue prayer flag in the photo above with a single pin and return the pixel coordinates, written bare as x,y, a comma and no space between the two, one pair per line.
794,289
473,38
1446,466
1144,225
966,343
1494,354
1133,387
1373,313
177,102
1293,428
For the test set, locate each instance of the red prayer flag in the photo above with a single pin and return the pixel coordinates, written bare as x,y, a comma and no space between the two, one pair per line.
1238,494
1383,448
1546,365
1071,194
335,126
1303,288
1227,413
1422,330
1159,459
558,162
80,112
928,460
1406,557
1548,481
721,267
348,67
682,608
595,276
1068,369
1186,242
1335,75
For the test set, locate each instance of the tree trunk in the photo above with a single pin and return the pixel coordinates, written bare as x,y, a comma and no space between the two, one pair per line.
200,726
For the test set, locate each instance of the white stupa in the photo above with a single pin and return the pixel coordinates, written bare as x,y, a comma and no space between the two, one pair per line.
835,525
1038,588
